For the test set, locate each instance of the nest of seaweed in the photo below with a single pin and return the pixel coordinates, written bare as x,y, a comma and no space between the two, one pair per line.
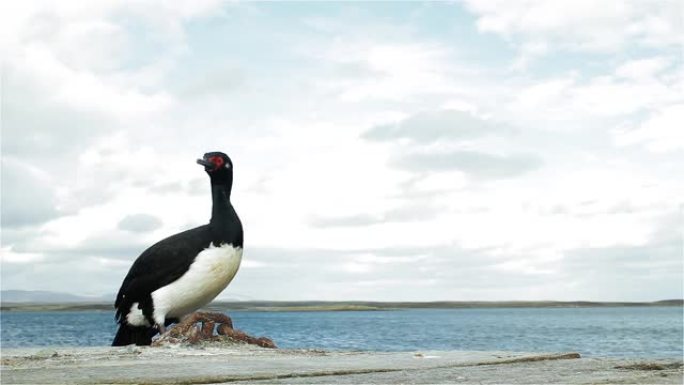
204,327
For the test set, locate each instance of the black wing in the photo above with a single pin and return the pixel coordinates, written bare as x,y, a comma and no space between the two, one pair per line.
158,266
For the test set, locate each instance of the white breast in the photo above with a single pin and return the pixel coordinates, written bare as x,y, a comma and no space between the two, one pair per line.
210,273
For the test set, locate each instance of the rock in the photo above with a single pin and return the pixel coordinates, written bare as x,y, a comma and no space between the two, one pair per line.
247,364
45,353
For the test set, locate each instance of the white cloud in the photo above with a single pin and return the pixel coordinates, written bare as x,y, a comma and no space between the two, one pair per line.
139,223
397,70
9,256
28,195
661,132
82,90
642,68
582,25
121,97
633,87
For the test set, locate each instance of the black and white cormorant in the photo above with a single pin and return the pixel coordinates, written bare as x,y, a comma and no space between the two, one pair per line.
183,272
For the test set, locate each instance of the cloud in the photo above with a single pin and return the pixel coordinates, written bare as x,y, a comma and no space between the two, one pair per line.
81,90
626,92
476,164
28,197
448,140
358,273
140,223
660,132
582,25
167,188
643,68
216,82
656,264
435,125
384,68
410,212
350,220
34,124
401,161
114,244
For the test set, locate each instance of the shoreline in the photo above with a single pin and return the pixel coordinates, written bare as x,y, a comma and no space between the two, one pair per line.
223,364
42,349
278,306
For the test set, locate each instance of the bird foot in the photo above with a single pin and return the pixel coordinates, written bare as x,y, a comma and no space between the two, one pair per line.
161,328
200,326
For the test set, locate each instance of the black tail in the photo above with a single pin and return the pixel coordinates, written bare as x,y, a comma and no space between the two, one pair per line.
139,335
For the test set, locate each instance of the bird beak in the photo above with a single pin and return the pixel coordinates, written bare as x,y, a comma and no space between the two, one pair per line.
205,163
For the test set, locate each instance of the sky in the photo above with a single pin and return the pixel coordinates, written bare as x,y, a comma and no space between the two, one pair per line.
387,151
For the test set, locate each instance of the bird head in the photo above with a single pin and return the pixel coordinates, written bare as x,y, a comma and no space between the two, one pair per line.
217,164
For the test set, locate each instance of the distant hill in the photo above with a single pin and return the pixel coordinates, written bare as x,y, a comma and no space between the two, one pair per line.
49,297
49,300
371,305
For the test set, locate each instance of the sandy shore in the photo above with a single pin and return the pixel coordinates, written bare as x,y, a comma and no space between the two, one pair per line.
248,364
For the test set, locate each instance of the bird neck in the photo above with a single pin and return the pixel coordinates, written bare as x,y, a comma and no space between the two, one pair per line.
222,211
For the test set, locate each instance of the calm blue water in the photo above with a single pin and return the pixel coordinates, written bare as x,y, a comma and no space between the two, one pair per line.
623,332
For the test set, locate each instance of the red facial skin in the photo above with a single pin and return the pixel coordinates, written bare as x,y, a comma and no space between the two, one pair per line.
217,161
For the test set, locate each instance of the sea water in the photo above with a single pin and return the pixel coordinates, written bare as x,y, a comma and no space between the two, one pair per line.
591,331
